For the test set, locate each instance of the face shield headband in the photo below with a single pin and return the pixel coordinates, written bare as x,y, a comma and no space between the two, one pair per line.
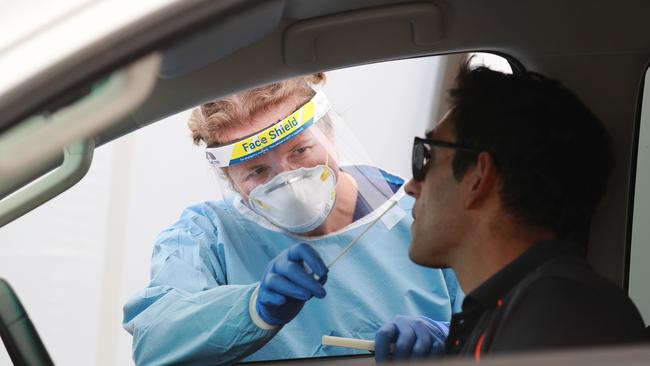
257,144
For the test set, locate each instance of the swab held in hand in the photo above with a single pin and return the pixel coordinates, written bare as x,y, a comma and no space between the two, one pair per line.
355,240
354,343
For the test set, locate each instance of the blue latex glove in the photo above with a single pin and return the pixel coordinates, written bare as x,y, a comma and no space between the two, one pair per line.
289,282
413,337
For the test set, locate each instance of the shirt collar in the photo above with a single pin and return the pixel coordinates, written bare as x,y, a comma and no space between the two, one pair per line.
497,286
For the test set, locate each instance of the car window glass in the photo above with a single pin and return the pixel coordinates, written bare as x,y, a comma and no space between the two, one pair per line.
639,290
76,260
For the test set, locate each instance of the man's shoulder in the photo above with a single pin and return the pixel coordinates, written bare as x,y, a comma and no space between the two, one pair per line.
569,279
566,292
568,272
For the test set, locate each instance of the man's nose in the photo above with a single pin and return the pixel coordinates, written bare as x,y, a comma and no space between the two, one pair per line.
412,188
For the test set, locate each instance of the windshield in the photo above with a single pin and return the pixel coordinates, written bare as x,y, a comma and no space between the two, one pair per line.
20,20
36,34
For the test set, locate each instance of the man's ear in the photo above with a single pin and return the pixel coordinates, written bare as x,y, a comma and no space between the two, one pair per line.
481,181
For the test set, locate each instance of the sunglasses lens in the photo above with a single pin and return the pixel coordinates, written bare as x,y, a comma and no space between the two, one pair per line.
418,160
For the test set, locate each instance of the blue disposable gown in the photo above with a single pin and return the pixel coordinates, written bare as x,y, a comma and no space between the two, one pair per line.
205,267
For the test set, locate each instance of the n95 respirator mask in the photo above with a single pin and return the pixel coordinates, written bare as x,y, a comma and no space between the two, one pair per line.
298,200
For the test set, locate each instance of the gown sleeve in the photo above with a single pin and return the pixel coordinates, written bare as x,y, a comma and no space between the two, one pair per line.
188,314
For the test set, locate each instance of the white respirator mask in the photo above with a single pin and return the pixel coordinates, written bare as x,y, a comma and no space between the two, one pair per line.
298,200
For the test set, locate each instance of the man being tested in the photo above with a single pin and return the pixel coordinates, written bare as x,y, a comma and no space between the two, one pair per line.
515,168
238,277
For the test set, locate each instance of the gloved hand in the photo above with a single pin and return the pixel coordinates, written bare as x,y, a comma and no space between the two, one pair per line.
413,337
289,282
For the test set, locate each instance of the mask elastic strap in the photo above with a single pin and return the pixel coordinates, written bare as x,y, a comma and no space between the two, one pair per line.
326,172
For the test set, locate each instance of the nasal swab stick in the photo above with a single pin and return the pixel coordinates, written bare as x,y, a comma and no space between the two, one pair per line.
354,241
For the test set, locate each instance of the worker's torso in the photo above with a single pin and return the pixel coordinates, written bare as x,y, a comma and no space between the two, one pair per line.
368,286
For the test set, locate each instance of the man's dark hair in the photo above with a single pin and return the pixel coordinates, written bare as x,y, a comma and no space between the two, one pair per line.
551,152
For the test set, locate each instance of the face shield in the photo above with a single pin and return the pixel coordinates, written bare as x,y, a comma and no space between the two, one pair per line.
303,172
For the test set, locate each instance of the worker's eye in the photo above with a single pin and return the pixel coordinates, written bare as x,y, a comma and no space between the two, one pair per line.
257,172
300,152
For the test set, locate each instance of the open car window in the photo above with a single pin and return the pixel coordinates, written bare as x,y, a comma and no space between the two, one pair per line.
80,257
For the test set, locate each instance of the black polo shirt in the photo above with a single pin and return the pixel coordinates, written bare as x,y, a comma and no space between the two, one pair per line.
548,297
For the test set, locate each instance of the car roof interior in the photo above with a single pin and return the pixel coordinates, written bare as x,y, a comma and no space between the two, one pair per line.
211,49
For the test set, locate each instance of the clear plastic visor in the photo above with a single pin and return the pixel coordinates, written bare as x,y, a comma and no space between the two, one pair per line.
361,186
308,149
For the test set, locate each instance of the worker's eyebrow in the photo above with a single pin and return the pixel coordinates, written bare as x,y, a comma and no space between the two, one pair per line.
429,134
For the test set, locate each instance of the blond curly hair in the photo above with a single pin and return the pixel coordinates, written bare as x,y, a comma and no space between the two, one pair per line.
209,121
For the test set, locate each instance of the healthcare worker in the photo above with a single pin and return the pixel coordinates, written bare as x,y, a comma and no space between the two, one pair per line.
247,277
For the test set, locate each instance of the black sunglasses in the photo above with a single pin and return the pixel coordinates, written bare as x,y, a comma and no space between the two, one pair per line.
422,154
